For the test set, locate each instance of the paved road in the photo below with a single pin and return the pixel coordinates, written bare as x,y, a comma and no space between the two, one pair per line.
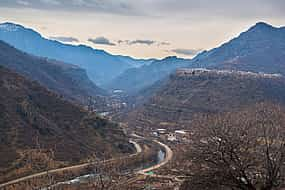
70,168
168,157
137,146
144,172
138,150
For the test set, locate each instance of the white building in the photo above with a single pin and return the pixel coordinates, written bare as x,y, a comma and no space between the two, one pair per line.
171,137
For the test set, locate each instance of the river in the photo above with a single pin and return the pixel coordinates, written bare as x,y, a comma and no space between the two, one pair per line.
160,157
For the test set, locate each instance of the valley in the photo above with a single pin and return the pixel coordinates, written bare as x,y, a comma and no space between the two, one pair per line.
38,179
76,117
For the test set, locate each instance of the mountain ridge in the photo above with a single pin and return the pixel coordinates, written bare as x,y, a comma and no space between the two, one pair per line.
192,92
100,65
248,51
68,80
134,80
261,48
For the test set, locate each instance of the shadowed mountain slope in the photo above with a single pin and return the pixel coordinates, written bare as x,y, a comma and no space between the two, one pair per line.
36,122
67,80
101,66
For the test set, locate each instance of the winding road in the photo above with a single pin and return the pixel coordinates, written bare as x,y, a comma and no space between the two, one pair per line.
137,146
70,168
168,157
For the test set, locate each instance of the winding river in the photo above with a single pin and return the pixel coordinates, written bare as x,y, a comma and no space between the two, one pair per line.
161,155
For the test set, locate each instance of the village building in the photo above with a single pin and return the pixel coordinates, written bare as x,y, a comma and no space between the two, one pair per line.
171,137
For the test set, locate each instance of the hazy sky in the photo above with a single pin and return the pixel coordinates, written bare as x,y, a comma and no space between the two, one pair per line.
143,28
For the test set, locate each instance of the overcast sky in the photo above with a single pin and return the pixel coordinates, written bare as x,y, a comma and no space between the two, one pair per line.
143,28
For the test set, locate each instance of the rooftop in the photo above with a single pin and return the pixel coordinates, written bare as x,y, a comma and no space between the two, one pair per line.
201,71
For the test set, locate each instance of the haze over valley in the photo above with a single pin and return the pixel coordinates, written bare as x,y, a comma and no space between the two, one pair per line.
149,95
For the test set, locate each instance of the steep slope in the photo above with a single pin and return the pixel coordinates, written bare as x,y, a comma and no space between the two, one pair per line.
67,80
35,122
191,92
134,80
259,49
101,66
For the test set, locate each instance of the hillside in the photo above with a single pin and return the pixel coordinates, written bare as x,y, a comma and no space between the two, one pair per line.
67,80
36,123
190,92
101,66
259,49
135,80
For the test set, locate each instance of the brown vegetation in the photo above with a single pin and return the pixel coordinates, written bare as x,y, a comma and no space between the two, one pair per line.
239,150
67,80
184,96
33,117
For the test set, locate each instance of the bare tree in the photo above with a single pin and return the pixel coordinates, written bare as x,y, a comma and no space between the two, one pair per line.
244,150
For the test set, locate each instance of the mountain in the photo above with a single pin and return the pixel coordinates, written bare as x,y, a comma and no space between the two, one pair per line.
136,63
65,79
101,66
191,92
259,49
36,123
134,80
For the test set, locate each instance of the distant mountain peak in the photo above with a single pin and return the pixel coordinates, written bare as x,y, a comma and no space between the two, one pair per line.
172,58
262,26
100,65
10,27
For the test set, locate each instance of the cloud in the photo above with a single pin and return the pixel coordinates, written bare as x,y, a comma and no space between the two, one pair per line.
65,39
190,9
101,41
51,2
21,2
164,44
143,42
79,2
188,52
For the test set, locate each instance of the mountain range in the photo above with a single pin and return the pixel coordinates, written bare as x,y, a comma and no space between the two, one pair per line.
101,66
133,80
259,49
247,52
67,80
